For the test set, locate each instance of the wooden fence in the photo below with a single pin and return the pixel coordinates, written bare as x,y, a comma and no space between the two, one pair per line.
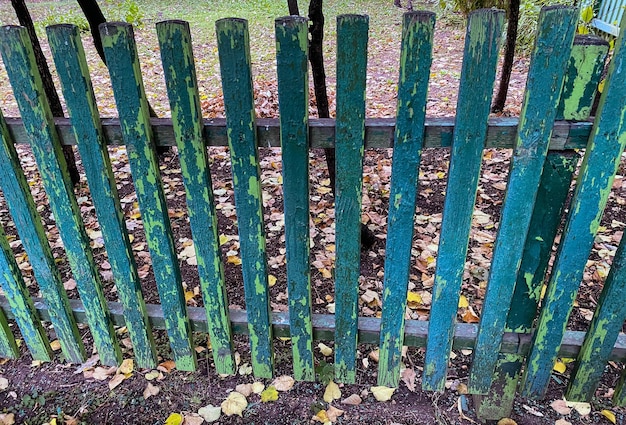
608,16
543,162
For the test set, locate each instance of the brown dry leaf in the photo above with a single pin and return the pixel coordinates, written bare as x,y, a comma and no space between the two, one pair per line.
408,376
150,390
245,389
333,413
193,420
7,418
332,392
283,383
353,400
234,404
70,420
382,393
469,316
560,407
101,373
562,422
69,285
374,355
581,407
166,366
116,380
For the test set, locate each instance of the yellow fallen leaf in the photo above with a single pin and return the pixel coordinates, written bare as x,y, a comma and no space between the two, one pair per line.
581,407
283,383
271,280
609,415
463,303
234,404
507,421
413,298
325,349
382,393
150,390
126,367
174,419
326,274
153,374
233,259
189,295
322,417
223,239
55,345
332,392
559,366
269,394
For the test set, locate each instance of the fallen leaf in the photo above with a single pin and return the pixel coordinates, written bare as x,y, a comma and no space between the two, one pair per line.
245,369
609,415
210,413
153,374
234,404
174,419
271,280
150,390
116,380
462,388
333,413
69,285
325,349
463,303
7,418
166,366
532,411
560,367
581,407
332,392
126,367
55,345
507,421
4,383
382,393
414,299
408,376
269,394
283,383
193,420
245,389
322,417
353,400
258,387
562,422
374,355
560,407
469,316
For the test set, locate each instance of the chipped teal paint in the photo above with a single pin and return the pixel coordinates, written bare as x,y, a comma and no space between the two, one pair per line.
123,63
482,44
8,347
234,53
20,63
349,141
555,35
182,87
603,331
293,96
71,65
30,229
584,71
21,304
546,219
415,60
595,178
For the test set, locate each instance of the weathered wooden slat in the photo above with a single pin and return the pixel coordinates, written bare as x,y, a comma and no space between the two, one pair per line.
546,219
349,140
583,72
555,35
234,53
293,93
603,331
71,65
416,332
21,304
415,60
379,132
33,236
19,59
123,63
8,347
482,44
595,179
182,88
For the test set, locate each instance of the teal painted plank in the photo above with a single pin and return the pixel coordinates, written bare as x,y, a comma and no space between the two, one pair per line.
415,60
352,33
182,87
21,304
602,157
581,81
123,63
482,44
33,236
19,59
293,94
555,35
71,65
546,219
234,52
603,331
8,347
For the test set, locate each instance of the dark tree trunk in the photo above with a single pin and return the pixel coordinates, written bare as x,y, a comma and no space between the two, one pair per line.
316,58
293,7
509,54
26,21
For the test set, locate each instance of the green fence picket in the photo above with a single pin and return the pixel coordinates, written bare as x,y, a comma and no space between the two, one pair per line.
583,74
482,44
556,28
123,63
182,87
8,347
349,145
595,178
415,61
71,65
293,100
19,59
234,52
